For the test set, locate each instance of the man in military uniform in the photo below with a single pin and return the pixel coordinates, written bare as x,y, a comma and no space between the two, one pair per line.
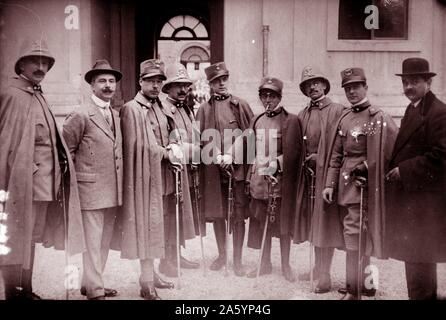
277,136
142,209
321,227
359,152
93,135
416,202
225,114
36,173
176,87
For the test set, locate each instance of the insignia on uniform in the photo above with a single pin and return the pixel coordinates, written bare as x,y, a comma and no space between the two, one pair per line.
308,72
270,81
217,68
348,72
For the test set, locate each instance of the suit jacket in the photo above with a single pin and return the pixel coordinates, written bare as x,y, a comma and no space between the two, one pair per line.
97,155
416,206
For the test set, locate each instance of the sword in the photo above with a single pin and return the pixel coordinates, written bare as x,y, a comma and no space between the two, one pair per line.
270,217
362,181
312,199
228,172
195,181
177,169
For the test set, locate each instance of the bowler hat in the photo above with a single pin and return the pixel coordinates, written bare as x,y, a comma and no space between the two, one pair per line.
152,67
416,66
271,83
176,73
216,70
351,75
102,67
32,48
310,73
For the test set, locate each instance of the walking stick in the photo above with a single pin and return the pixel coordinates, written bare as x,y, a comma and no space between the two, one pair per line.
64,167
177,169
270,217
228,172
362,182
195,179
312,199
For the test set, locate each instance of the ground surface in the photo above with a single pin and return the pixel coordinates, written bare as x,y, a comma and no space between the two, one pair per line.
122,275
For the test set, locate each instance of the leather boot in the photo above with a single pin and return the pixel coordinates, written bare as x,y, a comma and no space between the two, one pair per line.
317,257
287,271
11,279
351,275
371,292
266,267
220,234
324,283
239,237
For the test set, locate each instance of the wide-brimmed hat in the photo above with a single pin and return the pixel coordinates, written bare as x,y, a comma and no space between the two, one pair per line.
152,67
176,73
32,48
310,73
415,67
216,70
351,75
102,67
271,83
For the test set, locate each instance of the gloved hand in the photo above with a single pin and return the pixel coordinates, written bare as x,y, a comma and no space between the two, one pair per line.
273,168
327,194
175,152
224,161
310,161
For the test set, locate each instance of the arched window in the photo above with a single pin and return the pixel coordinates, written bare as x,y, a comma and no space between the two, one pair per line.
184,27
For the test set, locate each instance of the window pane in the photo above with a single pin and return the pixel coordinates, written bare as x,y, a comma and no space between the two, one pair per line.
184,34
392,19
351,19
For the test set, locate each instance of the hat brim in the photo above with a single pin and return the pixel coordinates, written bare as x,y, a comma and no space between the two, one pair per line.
352,81
270,87
166,85
90,74
429,74
17,67
327,83
219,74
153,74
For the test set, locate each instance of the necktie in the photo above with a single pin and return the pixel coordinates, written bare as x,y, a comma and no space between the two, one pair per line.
108,117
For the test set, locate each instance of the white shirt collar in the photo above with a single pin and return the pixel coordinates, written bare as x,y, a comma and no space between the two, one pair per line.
360,102
415,104
99,102
319,99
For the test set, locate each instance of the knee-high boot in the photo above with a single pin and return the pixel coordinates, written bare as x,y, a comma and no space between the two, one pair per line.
324,282
239,237
351,275
220,235
12,280
285,247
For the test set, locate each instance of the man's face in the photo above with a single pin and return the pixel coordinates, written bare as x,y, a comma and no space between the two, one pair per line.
270,99
355,92
220,85
34,68
151,86
415,87
104,86
178,91
315,88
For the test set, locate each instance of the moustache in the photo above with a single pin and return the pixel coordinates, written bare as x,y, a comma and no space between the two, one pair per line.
410,91
38,73
107,90
182,93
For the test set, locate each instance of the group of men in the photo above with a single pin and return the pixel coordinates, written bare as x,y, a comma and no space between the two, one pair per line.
147,178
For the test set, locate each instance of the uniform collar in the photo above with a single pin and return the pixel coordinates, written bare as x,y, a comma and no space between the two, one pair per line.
362,105
277,110
144,101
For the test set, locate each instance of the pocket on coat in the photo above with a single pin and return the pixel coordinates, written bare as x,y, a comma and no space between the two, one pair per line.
85,177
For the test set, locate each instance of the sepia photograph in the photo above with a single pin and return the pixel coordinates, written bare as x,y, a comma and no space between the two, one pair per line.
233,151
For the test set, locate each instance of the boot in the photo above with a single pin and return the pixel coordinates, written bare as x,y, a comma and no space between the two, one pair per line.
266,267
351,276
239,237
220,234
365,292
317,257
11,279
324,283
287,271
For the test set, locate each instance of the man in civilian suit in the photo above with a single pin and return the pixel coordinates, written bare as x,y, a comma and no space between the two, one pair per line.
416,219
93,136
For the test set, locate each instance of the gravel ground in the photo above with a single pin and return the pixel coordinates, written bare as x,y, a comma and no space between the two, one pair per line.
122,275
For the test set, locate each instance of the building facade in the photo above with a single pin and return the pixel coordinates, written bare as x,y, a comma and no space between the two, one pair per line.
254,37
